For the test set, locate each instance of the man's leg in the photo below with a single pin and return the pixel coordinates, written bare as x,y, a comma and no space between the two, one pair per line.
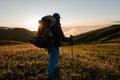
53,58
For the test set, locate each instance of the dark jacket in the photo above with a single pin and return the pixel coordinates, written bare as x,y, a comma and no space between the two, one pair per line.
58,34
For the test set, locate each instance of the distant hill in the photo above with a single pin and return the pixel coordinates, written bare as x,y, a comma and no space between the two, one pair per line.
16,34
110,34
10,42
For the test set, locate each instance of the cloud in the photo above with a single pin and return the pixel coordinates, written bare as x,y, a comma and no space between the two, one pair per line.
71,32
79,30
75,30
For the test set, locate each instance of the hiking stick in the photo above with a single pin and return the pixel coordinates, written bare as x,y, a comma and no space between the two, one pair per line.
72,51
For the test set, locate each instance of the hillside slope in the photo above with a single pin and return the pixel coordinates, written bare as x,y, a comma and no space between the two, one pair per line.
109,34
16,34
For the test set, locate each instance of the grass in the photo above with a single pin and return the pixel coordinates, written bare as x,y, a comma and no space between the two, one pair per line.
89,62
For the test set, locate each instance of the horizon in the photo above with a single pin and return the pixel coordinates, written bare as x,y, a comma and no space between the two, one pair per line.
68,30
26,13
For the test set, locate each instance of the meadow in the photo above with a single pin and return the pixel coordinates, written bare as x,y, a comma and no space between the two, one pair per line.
89,62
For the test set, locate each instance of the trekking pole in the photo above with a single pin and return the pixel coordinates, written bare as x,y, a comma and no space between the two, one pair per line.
72,50
73,60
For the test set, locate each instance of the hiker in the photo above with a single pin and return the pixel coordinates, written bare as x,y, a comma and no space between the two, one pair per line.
54,50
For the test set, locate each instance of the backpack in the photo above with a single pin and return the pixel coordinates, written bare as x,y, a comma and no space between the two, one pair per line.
44,38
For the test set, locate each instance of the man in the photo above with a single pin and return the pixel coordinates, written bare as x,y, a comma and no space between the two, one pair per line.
54,50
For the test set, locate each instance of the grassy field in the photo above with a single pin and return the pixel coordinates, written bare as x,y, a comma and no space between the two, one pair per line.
89,62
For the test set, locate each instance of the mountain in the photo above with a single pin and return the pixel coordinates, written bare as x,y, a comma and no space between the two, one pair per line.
110,34
16,34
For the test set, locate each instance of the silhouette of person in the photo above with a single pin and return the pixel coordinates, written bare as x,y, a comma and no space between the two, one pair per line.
54,50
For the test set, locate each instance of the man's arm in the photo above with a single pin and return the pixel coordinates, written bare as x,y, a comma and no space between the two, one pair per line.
60,35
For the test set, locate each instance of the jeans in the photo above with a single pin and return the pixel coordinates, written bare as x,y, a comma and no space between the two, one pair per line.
53,58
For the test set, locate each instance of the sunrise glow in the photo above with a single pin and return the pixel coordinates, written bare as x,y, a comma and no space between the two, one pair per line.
32,24
79,13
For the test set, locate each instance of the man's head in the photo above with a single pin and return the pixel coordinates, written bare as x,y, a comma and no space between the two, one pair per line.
56,15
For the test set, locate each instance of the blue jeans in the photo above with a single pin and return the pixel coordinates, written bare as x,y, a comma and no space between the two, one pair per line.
53,58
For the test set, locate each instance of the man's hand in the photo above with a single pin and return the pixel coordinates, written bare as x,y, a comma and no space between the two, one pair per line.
71,38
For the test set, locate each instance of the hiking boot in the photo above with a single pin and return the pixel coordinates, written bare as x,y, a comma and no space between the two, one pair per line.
56,74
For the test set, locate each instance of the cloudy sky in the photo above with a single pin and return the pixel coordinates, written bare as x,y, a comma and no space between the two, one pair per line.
26,13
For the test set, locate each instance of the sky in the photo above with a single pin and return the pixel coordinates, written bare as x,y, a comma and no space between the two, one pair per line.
81,13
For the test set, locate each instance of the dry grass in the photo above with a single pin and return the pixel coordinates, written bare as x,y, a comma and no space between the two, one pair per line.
90,62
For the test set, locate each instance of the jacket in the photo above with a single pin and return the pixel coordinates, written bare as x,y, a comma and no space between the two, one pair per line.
58,35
